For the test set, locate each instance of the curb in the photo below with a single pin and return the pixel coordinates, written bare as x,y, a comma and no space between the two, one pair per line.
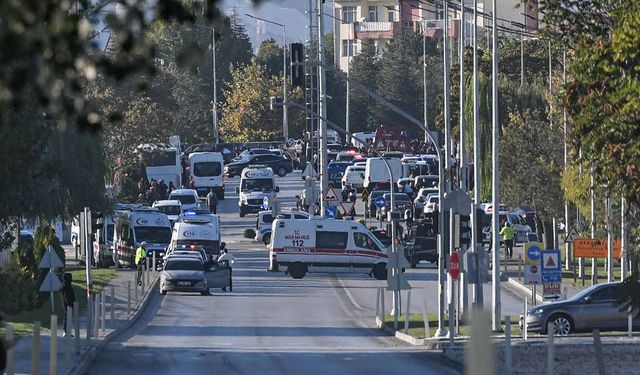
524,289
82,364
435,343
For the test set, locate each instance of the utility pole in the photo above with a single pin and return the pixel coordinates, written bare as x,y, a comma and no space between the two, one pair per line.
623,240
610,278
424,81
477,242
347,107
495,184
594,265
567,245
462,153
322,110
285,116
216,131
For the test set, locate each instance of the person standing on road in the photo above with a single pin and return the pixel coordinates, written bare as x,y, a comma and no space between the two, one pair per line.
212,202
68,297
141,255
226,260
508,234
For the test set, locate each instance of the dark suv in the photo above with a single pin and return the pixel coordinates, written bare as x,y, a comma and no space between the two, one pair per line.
279,164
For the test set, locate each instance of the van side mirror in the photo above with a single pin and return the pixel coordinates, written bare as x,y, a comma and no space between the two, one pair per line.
237,190
277,189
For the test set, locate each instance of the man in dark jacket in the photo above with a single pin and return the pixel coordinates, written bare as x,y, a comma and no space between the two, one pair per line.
68,297
212,201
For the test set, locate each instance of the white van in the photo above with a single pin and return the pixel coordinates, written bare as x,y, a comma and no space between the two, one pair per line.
206,170
376,172
301,246
103,244
354,176
265,219
171,208
197,230
138,225
256,183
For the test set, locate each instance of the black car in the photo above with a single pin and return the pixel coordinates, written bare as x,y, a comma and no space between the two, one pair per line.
280,165
421,248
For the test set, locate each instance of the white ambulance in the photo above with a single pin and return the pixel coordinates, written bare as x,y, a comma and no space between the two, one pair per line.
301,246
256,183
198,231
138,225
206,170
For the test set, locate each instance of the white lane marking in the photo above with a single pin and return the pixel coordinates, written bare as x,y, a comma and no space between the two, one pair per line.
349,295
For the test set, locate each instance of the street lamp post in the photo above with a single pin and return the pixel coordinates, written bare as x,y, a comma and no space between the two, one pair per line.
285,117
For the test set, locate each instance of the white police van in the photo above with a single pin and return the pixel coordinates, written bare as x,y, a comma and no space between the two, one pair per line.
323,245
256,183
198,231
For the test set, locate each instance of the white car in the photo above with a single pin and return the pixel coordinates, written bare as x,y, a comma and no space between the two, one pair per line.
421,197
431,203
353,176
187,197
171,208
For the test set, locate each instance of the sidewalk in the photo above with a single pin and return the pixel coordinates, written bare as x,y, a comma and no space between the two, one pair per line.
121,316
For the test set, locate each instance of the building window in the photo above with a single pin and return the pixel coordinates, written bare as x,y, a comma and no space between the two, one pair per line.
373,14
392,15
349,47
348,14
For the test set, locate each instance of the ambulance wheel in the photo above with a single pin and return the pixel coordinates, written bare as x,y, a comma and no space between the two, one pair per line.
380,271
297,270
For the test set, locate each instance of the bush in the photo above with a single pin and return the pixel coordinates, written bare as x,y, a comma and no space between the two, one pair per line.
17,287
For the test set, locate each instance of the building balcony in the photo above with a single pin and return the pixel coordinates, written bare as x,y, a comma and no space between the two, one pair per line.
377,30
434,28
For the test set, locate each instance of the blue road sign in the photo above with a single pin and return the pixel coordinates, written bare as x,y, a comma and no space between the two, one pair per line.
550,267
534,252
265,203
330,212
380,201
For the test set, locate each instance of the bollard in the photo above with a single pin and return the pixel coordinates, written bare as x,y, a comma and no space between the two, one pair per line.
524,323
383,307
153,264
10,365
146,273
103,311
519,267
550,349
113,305
135,295
425,318
89,320
142,287
566,293
629,322
599,357
35,349
406,313
67,340
76,324
96,315
128,297
480,346
378,303
507,345
53,351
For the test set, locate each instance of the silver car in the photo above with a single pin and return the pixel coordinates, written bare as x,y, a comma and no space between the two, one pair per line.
592,308
183,274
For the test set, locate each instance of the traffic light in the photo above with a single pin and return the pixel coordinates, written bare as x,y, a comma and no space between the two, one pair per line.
478,225
465,230
297,71
97,221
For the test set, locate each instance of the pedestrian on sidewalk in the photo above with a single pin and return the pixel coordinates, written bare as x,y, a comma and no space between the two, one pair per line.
508,234
226,260
212,202
68,297
141,255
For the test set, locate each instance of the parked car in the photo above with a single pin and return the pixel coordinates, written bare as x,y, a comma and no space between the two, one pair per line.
421,197
592,308
421,248
401,200
279,164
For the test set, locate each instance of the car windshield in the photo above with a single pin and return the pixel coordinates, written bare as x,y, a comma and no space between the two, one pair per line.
153,234
207,169
169,210
183,265
184,199
257,184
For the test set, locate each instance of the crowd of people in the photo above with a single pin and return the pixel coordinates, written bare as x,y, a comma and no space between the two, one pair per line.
151,191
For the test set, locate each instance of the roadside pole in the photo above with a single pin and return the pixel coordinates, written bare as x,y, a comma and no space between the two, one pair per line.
495,184
594,264
476,242
623,240
322,107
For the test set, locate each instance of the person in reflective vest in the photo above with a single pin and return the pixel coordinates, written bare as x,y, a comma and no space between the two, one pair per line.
141,255
508,234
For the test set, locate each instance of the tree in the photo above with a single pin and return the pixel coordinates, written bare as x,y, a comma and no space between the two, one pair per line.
270,56
365,69
246,115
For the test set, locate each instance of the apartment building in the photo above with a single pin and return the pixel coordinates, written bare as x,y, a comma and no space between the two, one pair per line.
383,20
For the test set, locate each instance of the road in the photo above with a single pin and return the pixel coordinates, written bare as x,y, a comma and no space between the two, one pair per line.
271,323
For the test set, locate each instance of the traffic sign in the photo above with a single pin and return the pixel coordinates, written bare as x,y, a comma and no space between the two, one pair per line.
265,203
550,267
551,291
532,254
396,279
347,207
595,248
50,259
330,212
380,201
51,283
365,195
454,265
330,195
309,171
571,236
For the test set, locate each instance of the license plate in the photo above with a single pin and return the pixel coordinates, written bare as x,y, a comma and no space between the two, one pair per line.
184,283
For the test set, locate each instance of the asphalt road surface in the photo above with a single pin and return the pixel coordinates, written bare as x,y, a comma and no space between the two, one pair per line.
271,323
